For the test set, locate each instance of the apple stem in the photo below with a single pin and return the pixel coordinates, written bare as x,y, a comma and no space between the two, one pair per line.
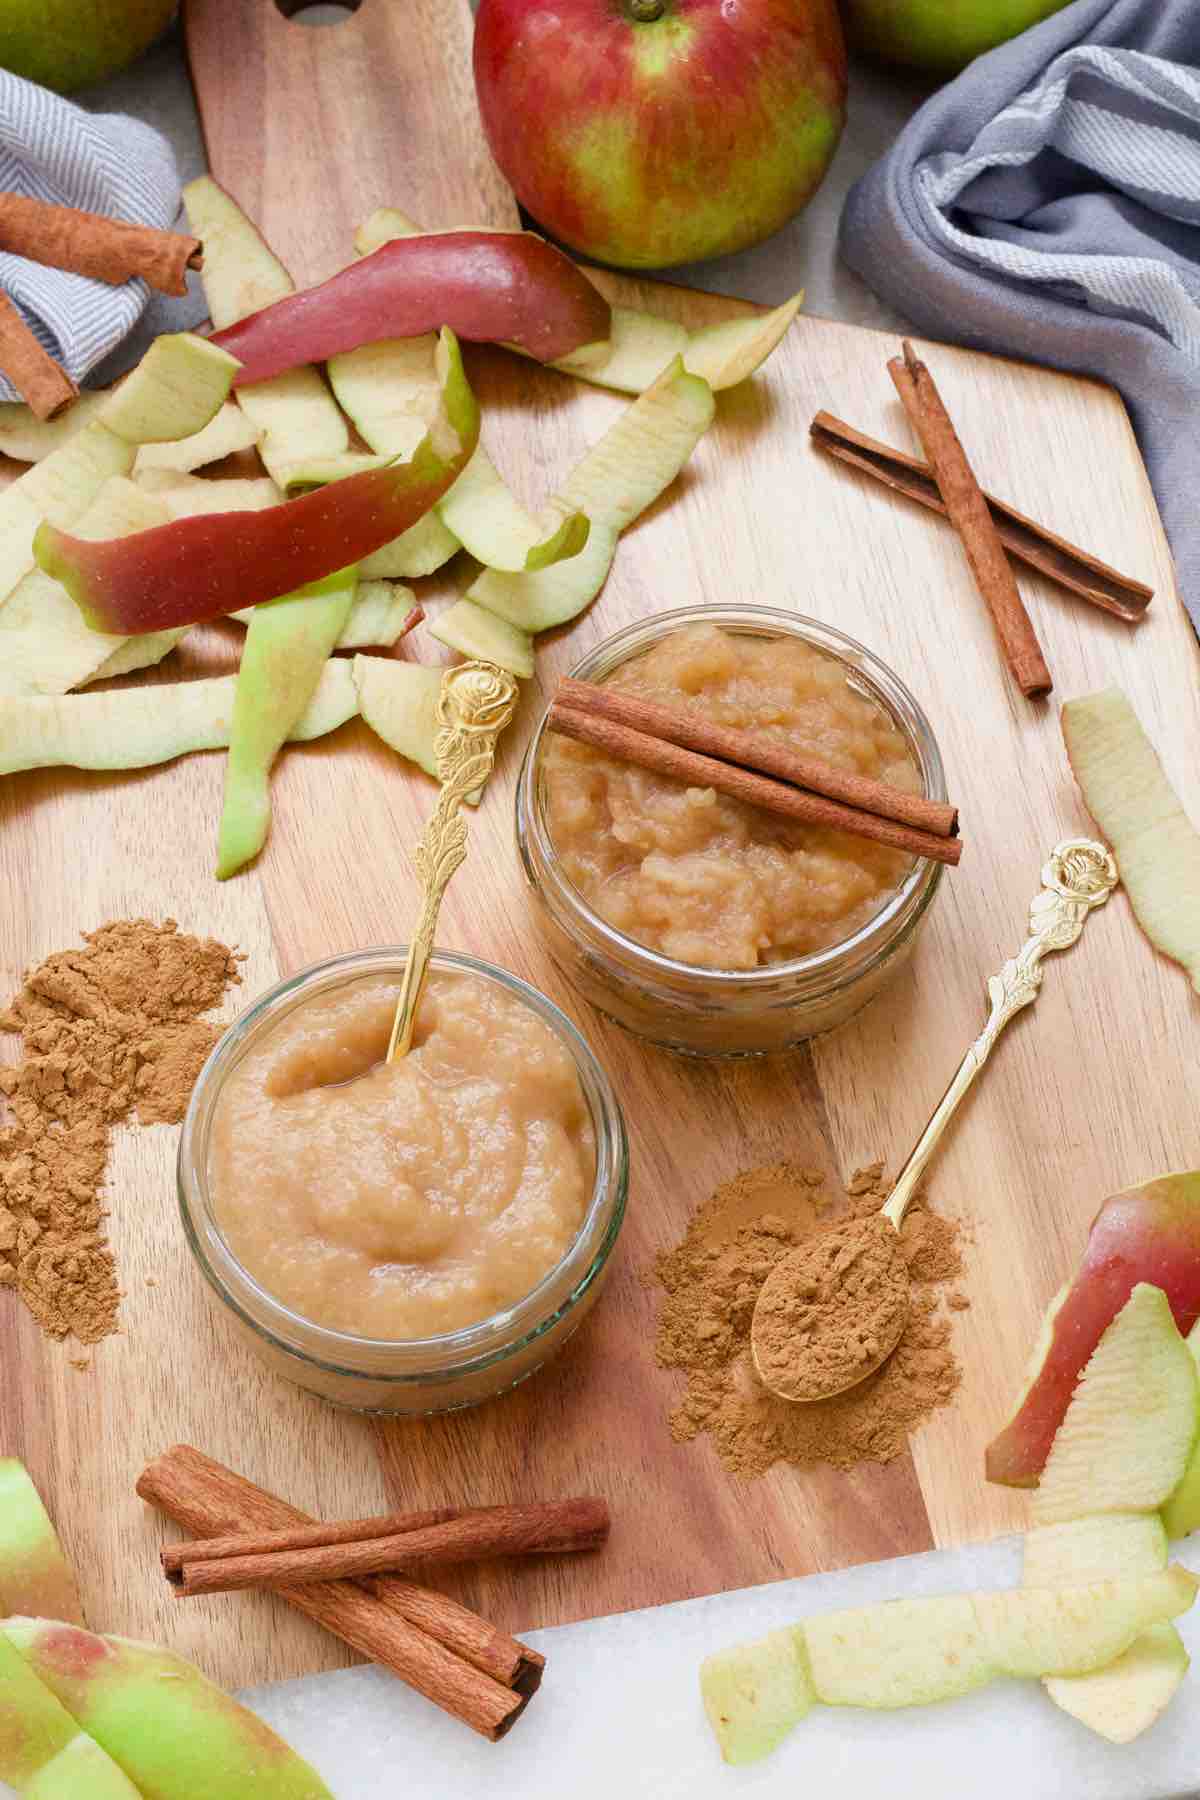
645,12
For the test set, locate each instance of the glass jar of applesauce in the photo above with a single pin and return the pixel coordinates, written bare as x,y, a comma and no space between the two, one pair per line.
699,923
412,1237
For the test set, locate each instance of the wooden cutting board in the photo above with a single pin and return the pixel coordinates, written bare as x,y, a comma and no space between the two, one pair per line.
311,129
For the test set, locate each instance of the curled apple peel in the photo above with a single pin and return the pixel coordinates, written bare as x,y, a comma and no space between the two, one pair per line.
488,287
203,567
1147,1234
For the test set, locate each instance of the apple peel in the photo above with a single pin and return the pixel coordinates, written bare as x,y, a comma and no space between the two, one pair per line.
487,287
1181,1513
201,568
916,1652
288,643
191,496
295,413
1124,1699
227,432
159,1719
383,613
138,727
35,1576
45,645
1147,1234
43,1753
472,631
1156,846
642,344
28,439
637,458
399,701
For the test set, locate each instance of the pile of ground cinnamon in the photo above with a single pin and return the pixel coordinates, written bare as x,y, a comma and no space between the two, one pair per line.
109,1032
711,1281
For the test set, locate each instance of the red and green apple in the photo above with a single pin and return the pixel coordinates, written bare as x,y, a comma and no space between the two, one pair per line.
645,133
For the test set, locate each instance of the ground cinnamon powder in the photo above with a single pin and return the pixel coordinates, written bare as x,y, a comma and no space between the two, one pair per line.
711,1281
832,1309
109,1032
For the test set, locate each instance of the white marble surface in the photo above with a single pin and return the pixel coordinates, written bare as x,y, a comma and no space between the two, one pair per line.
619,1712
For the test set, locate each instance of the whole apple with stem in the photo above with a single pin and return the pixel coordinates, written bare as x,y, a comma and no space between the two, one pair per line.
940,36
645,133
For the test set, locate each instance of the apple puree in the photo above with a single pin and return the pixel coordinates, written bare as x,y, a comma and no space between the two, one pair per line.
401,1200
705,879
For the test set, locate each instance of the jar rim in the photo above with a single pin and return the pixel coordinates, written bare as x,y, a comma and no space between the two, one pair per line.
887,688
444,1355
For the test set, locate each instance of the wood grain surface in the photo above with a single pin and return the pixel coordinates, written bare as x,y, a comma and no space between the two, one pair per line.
1095,1088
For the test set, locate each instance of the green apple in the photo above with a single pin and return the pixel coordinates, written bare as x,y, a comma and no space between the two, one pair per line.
65,44
43,1753
941,36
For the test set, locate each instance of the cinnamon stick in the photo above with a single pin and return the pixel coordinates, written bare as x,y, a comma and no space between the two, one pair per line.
84,243
302,1537
44,386
379,1619
764,755
627,745
530,1530
968,513
1076,570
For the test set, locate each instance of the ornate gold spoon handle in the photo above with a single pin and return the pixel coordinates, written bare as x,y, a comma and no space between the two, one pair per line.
476,703
1079,876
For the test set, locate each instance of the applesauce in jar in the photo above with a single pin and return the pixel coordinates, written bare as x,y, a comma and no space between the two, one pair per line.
401,1201
704,879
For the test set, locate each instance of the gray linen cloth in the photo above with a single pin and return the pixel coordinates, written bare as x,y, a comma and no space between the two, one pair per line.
53,150
1046,204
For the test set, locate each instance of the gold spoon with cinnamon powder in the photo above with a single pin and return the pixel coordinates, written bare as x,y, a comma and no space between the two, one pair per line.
833,1311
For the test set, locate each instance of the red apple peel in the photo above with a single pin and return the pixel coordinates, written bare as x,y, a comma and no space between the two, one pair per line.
215,563
488,287
1150,1233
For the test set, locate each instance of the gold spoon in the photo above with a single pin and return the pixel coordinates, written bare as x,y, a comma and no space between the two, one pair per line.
476,702
1079,876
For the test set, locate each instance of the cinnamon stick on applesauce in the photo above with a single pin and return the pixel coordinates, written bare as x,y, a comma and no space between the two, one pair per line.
968,511
437,1646
699,770
759,751
538,1529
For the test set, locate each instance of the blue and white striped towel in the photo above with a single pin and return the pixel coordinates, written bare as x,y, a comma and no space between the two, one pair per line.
106,163
1047,204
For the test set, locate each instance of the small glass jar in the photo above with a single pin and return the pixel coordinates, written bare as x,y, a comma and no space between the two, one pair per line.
715,1012
422,1375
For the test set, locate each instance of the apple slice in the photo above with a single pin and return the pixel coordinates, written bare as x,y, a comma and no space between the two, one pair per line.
1155,843
228,431
636,459
399,701
1181,1513
1149,1233
136,727
466,627
35,1576
45,645
43,1753
1124,1699
915,1652
295,413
